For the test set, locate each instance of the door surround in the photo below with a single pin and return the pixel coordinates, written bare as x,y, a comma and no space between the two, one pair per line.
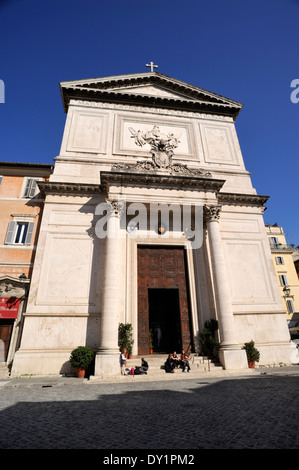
131,306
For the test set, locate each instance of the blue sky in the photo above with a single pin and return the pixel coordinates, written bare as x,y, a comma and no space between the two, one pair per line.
246,50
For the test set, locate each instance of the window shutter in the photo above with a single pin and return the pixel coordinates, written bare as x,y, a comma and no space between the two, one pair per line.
283,280
30,188
29,233
290,306
10,233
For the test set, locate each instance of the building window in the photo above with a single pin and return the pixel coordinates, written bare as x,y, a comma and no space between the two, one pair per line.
283,280
1,179
19,233
31,188
274,242
290,306
279,259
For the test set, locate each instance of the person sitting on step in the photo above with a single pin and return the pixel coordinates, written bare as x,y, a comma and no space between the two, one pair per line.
185,361
144,365
175,359
169,367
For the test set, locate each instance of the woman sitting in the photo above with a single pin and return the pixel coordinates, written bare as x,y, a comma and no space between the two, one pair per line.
169,367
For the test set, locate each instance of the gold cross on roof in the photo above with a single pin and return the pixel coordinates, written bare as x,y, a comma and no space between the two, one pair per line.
151,65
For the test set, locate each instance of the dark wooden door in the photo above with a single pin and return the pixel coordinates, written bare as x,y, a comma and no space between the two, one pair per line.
5,334
161,267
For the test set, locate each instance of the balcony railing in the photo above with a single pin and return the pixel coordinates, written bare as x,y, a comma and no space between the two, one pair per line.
281,247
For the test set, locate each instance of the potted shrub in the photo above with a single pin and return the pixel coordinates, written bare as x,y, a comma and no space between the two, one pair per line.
125,337
209,343
252,353
151,341
80,359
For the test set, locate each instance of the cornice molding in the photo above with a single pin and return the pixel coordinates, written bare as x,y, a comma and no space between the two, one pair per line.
150,180
113,89
81,189
242,199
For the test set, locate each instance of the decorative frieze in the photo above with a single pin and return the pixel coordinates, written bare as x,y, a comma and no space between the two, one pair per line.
161,111
149,166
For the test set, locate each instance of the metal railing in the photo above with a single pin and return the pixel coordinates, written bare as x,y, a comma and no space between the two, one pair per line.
280,246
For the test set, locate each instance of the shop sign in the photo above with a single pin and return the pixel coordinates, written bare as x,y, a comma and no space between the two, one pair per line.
9,307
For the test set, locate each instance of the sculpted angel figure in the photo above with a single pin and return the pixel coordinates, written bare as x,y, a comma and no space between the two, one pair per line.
155,139
139,137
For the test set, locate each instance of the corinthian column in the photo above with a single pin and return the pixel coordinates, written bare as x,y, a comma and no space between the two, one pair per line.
107,357
230,354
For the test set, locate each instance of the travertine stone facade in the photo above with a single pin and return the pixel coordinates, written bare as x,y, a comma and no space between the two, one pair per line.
150,139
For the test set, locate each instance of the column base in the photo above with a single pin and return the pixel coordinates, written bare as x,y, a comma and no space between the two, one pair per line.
233,359
107,365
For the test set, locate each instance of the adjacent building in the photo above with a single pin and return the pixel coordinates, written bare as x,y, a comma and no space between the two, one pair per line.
284,263
21,207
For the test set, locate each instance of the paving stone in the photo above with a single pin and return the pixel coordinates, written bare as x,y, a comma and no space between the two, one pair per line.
215,413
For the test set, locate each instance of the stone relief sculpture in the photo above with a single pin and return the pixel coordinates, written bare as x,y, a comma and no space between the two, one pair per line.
8,289
162,149
162,145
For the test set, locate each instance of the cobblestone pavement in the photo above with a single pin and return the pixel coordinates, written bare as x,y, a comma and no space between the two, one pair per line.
231,413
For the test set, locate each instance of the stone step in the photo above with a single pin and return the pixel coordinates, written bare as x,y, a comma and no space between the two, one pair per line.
4,372
156,361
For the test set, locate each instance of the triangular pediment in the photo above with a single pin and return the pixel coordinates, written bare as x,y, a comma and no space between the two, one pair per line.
149,89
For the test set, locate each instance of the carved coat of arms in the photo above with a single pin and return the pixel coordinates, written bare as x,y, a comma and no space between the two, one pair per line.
162,145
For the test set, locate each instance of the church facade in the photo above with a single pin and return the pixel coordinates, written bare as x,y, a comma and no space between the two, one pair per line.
150,218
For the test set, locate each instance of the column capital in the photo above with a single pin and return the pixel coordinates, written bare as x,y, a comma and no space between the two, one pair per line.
211,213
115,207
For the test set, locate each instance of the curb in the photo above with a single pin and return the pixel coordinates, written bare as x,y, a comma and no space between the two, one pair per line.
61,381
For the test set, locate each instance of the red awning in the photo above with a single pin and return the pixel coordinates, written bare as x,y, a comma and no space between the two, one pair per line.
9,307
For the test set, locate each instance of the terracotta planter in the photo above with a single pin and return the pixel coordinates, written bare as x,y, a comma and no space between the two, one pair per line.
251,364
80,372
130,356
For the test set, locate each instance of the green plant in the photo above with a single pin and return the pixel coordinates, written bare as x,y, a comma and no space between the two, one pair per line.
151,335
251,352
81,357
125,337
209,344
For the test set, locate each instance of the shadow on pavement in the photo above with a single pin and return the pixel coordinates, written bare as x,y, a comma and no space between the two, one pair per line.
228,414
